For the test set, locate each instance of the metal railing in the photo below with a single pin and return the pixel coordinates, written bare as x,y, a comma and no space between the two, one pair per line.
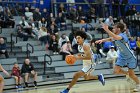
47,62
12,41
19,2
0,30
106,9
27,49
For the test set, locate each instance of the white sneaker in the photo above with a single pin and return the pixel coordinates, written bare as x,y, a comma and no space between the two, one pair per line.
137,88
130,80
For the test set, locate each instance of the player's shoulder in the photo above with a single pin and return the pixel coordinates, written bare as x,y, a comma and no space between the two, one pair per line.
86,45
124,36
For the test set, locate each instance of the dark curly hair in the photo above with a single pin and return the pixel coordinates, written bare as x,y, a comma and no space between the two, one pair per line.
81,33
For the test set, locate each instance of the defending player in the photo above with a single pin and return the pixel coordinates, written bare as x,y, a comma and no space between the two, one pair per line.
125,55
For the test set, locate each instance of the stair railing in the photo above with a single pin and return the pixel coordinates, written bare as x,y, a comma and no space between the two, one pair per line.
47,62
12,41
27,49
0,29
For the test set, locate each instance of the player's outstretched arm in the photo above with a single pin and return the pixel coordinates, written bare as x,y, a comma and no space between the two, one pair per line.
111,34
103,40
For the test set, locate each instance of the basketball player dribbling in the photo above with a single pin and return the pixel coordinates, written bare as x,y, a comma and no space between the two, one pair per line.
2,79
85,54
125,54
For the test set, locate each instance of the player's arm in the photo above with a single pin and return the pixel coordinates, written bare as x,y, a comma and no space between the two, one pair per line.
111,34
104,40
4,71
87,54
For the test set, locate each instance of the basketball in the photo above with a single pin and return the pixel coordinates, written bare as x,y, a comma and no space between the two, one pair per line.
70,59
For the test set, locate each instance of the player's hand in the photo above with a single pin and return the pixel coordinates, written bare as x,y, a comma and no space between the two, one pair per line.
105,27
99,41
5,72
79,54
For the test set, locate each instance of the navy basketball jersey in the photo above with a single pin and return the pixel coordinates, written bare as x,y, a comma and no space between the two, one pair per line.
124,50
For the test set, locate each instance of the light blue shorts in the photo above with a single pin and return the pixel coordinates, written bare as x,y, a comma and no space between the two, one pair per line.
130,63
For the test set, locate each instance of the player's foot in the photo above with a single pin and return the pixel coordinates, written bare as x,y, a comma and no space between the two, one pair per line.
101,79
65,91
130,80
137,88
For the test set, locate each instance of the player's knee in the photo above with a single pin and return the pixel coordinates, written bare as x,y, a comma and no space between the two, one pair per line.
86,78
117,71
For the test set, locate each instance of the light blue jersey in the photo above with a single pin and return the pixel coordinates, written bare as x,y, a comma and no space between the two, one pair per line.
125,54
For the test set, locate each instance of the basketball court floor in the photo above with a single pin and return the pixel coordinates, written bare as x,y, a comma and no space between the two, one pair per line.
119,85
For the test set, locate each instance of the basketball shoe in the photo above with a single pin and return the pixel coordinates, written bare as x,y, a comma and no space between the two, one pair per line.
101,79
130,80
137,88
65,91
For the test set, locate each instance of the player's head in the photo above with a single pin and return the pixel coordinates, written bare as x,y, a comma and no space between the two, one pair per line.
80,37
118,28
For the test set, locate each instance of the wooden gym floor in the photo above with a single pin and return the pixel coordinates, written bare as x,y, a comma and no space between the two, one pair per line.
118,85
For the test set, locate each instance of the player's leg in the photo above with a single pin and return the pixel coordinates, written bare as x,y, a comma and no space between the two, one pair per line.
74,80
1,84
119,70
118,67
131,65
91,77
133,76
